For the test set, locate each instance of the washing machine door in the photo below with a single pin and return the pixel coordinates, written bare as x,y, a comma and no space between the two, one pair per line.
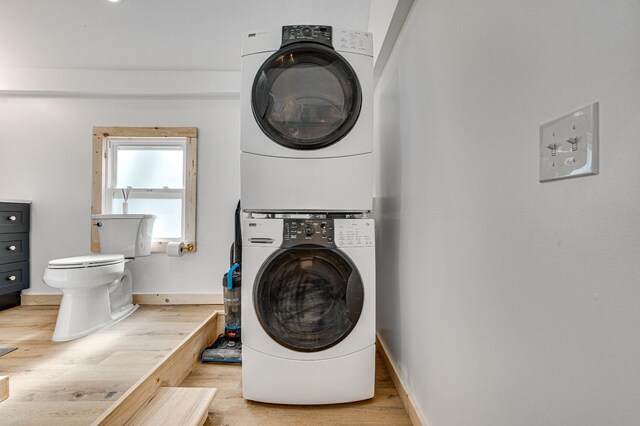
306,96
308,298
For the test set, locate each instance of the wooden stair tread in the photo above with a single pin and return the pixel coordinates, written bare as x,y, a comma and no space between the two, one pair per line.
4,388
175,406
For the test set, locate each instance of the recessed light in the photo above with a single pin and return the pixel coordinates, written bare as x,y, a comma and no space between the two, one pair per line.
114,1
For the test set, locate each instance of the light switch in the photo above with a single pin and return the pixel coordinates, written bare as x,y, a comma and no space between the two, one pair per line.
569,145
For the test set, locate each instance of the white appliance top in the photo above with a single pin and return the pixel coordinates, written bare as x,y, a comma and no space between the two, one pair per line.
90,261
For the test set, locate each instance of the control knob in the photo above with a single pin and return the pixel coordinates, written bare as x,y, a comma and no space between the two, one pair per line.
309,230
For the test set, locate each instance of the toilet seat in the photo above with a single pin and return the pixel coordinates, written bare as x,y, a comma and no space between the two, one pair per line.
90,261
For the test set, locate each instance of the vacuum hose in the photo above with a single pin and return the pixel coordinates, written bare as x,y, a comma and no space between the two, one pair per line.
230,276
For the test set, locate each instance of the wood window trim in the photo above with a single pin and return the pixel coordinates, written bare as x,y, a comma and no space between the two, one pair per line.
100,135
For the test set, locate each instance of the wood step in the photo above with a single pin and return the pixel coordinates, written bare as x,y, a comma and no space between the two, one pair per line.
4,388
169,372
175,406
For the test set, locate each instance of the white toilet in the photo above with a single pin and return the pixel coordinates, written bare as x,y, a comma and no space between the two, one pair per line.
97,289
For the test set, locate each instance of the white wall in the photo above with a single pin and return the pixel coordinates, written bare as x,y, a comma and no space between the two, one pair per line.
46,157
68,66
379,19
506,301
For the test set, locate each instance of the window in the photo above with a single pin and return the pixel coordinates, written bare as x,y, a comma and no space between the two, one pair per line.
155,170
150,173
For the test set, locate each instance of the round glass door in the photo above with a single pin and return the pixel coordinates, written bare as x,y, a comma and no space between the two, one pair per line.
306,96
308,298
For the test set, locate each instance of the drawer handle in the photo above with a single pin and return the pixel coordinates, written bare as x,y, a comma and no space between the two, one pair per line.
12,218
11,248
11,278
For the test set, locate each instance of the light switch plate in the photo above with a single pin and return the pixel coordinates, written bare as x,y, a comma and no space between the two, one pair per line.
569,145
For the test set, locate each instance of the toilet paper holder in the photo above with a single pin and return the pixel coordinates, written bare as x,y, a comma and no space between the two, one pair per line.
178,249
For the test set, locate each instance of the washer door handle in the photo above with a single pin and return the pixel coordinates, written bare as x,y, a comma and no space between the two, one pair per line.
262,240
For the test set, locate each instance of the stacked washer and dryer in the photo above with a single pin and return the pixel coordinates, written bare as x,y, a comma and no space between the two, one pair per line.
308,257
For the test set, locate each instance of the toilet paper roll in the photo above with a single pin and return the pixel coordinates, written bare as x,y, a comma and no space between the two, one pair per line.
175,249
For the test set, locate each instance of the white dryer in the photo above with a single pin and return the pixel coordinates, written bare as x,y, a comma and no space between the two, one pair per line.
308,310
307,120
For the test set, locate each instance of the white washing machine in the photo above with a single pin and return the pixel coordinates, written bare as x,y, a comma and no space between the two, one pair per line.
307,120
308,310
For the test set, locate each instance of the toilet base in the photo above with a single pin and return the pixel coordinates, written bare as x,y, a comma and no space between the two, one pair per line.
117,317
124,312
85,311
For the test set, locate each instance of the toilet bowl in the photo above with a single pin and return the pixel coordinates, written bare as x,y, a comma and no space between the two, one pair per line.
84,281
97,290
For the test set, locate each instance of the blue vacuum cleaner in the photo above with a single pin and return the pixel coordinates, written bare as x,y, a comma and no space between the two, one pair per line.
228,345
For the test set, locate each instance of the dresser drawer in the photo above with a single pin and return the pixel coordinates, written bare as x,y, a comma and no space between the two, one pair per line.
14,277
14,217
14,247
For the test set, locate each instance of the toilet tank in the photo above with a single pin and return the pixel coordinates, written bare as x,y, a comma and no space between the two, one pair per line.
127,234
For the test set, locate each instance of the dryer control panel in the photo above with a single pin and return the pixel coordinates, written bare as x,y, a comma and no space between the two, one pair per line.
315,33
308,231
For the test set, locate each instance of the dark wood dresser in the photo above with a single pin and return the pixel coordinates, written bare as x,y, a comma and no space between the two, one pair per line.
14,252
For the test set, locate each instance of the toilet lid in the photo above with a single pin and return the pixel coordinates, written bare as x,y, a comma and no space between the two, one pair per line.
90,261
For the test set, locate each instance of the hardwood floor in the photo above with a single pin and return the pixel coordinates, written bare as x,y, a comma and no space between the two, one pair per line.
229,408
73,383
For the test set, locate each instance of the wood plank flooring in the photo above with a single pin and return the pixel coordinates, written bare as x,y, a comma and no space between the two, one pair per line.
229,408
73,383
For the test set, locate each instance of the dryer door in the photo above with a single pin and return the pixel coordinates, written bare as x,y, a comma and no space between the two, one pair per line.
308,298
306,96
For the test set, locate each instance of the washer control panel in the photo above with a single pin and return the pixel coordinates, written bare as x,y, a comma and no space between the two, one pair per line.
355,233
308,231
315,33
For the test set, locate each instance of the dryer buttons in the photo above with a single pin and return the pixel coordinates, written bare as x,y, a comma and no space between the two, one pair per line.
308,231
301,33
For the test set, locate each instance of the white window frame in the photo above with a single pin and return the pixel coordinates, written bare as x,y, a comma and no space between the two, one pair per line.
106,142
